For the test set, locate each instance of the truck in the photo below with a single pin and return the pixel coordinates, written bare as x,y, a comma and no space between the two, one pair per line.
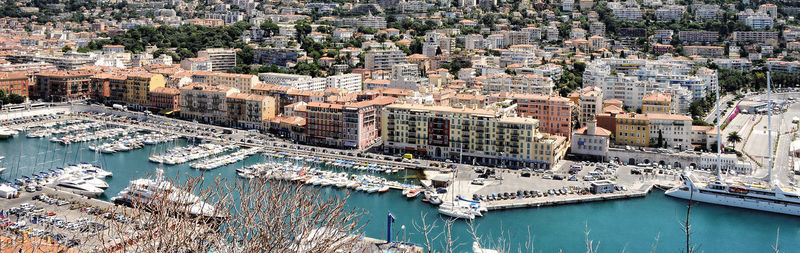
119,107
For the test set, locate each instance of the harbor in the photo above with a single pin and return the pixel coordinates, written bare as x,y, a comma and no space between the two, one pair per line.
599,211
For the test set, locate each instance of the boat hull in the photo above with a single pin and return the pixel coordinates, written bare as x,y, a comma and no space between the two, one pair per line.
752,204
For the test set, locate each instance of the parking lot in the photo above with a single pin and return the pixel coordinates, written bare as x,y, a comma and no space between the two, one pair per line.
66,219
498,185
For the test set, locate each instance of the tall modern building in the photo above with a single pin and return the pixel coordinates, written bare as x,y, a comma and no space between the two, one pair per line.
384,59
222,59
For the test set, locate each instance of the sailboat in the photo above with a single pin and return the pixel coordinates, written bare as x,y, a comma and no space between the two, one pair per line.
769,198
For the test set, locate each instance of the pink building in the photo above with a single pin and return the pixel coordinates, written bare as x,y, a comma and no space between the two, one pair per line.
553,112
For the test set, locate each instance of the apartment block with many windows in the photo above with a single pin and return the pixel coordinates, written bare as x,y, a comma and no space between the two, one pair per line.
476,136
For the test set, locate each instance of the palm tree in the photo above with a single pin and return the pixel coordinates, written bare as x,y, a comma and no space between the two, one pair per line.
733,138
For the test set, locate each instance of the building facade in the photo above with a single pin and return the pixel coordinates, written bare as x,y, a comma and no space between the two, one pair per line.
205,103
469,135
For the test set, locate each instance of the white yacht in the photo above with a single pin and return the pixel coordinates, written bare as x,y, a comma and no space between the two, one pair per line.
78,186
457,212
148,193
772,198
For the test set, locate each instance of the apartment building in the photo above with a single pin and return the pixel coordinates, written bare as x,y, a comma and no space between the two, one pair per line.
282,57
138,86
527,83
755,36
205,103
348,125
369,21
242,82
348,82
706,11
707,51
222,59
534,33
698,36
673,130
480,136
554,113
473,41
628,13
597,28
63,85
634,78
670,13
300,82
164,98
14,83
657,102
589,101
759,21
384,59
783,66
249,111
196,64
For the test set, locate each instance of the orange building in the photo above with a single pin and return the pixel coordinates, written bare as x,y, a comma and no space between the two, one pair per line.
14,83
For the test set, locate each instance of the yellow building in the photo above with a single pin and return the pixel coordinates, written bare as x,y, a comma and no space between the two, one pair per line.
138,87
470,135
250,110
633,129
657,102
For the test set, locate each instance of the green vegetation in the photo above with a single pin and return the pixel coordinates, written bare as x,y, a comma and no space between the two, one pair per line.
732,80
10,99
188,38
572,79
733,138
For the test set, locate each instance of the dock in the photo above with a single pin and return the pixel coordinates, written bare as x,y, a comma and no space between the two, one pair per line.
567,199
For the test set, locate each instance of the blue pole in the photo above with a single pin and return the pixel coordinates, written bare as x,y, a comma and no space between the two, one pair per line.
389,221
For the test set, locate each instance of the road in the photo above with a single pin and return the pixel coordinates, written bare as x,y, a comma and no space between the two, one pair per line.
712,114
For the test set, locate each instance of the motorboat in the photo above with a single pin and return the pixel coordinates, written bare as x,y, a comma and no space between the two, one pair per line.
152,193
413,193
78,186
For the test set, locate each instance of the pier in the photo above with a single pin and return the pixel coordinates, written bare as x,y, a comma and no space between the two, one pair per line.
567,199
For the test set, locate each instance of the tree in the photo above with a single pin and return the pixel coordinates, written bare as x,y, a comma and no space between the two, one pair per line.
661,142
733,138
270,28
66,49
303,28
16,99
239,216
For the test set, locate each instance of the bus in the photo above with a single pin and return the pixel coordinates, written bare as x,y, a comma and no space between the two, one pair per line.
39,105
15,108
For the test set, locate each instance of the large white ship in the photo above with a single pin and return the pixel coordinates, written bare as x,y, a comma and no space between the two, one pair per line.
750,196
771,198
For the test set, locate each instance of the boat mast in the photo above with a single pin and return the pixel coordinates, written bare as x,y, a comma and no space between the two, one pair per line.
719,138
769,126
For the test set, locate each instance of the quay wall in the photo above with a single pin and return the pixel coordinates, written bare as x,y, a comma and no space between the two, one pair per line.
567,200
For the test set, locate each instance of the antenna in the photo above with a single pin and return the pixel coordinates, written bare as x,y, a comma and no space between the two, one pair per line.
769,126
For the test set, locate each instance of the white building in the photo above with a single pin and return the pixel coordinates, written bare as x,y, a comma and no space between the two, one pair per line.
300,82
349,82
473,41
729,162
528,83
670,13
591,141
759,21
222,59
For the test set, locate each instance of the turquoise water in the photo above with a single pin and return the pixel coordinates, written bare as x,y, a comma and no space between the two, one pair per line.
632,225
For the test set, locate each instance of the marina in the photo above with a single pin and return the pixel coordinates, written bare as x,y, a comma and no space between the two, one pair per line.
547,223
